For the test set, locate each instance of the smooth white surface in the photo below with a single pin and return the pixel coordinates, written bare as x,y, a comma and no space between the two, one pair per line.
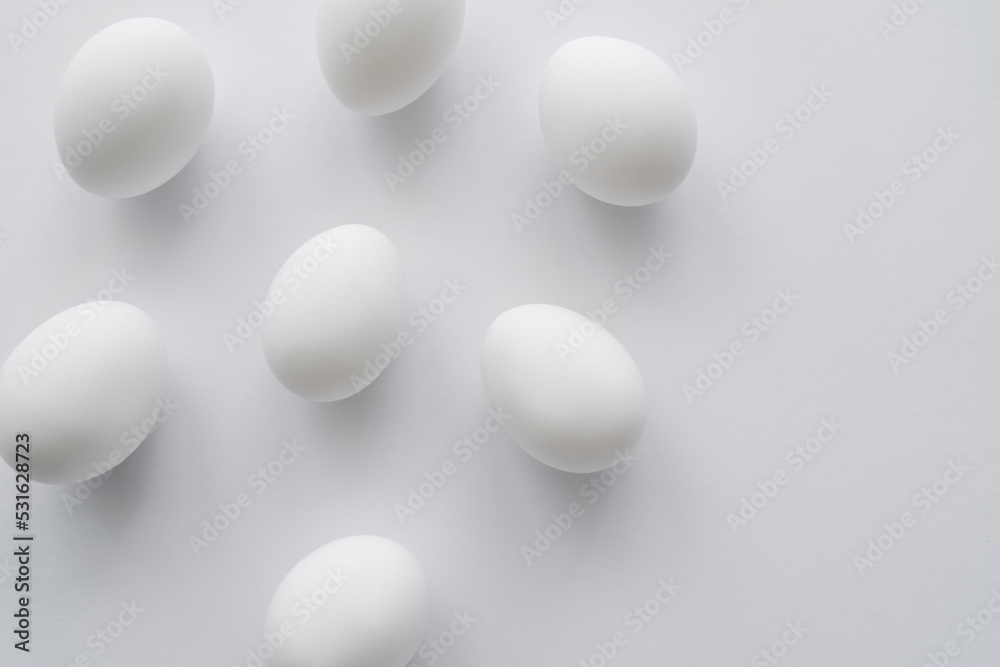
361,601
666,517
575,398
618,118
133,107
380,55
334,308
83,386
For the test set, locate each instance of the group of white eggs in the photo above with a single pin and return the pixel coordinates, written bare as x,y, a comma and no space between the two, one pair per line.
575,397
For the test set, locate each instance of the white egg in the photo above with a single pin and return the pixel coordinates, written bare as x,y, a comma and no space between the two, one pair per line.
339,305
133,107
86,387
618,119
380,55
360,601
574,396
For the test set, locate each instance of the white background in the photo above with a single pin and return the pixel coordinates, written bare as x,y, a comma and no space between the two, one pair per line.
665,518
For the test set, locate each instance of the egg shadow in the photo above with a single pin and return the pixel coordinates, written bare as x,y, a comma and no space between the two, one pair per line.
114,505
352,417
154,219
394,133
635,225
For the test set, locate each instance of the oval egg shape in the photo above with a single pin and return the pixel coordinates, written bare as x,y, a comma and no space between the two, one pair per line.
339,300
133,107
361,601
378,56
619,119
83,386
569,391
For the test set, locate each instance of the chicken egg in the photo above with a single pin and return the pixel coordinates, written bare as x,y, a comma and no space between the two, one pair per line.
618,119
338,302
85,388
574,396
378,56
133,107
360,601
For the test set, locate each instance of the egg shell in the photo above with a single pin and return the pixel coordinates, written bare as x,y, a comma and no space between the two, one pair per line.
77,385
619,119
343,294
574,395
378,56
133,107
369,606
